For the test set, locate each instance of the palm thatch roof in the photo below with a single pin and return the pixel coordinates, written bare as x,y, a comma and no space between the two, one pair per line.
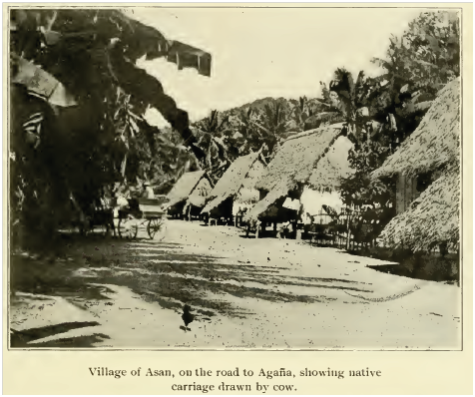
297,157
327,174
295,164
433,218
200,193
435,142
234,180
248,194
435,145
184,187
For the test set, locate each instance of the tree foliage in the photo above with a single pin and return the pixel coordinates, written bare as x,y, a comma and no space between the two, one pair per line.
81,151
93,136
418,64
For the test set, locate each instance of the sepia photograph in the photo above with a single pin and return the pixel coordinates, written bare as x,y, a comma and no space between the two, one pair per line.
234,178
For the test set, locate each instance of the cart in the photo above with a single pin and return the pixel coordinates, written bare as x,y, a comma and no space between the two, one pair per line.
147,213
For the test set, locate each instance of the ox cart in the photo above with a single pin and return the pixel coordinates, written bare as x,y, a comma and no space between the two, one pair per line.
142,212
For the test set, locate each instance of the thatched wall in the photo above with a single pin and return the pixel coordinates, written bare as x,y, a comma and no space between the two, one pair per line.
433,219
184,186
238,181
436,141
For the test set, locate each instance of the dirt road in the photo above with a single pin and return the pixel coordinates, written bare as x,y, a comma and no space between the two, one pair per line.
245,293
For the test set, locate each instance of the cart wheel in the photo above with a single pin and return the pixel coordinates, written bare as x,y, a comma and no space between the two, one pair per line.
128,228
155,226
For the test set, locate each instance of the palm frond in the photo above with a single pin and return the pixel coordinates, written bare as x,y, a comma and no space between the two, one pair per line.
330,211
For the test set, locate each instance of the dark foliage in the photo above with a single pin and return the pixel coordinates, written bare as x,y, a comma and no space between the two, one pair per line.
80,153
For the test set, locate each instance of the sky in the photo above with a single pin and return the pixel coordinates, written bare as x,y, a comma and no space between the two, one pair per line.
260,53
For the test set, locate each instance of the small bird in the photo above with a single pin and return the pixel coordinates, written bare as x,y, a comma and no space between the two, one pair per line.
187,316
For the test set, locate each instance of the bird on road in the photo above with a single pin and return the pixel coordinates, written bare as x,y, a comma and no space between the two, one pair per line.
187,316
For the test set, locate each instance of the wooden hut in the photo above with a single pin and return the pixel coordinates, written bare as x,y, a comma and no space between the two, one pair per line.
189,193
301,163
235,192
434,150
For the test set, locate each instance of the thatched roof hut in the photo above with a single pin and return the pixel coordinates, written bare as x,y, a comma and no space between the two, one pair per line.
189,187
434,147
307,159
238,182
436,141
433,218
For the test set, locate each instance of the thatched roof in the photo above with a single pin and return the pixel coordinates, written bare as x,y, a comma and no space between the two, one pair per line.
295,163
248,194
327,174
435,142
263,205
184,187
433,218
200,193
297,157
233,180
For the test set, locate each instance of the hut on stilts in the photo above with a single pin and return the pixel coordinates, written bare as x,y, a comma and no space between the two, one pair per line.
307,164
235,191
188,195
433,150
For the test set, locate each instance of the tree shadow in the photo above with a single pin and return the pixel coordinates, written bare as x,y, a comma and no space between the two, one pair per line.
84,341
22,339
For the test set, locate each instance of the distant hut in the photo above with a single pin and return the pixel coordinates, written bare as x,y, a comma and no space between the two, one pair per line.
189,193
431,152
235,192
301,165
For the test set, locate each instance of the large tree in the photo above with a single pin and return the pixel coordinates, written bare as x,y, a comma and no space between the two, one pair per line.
418,64
76,69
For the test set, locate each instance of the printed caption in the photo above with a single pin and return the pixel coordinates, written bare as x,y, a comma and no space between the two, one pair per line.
262,380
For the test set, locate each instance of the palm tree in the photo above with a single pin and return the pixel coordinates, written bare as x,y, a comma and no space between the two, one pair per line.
352,99
212,139
216,124
303,109
248,136
273,123
324,109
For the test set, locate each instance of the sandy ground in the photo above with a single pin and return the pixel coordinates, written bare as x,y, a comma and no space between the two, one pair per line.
245,293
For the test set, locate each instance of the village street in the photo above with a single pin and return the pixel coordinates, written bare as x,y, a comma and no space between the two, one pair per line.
245,293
